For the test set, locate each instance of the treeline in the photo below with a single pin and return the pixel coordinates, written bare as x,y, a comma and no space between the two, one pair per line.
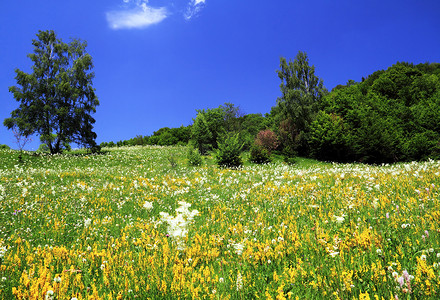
391,115
163,137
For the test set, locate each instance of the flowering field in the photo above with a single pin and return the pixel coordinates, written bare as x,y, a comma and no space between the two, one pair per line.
128,225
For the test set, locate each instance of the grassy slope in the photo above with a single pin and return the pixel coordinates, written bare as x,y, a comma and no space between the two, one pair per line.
312,230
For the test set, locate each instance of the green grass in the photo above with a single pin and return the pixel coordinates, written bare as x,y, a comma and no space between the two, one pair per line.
127,223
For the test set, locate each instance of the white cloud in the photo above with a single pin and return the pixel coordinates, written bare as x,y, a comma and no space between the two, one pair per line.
193,8
139,16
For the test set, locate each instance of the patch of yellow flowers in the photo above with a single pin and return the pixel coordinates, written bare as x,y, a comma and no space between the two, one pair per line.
118,226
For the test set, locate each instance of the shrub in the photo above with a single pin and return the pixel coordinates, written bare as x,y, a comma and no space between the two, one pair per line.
4,147
194,157
43,148
228,153
267,139
259,155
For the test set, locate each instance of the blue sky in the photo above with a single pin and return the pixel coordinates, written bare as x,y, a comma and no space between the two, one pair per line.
158,61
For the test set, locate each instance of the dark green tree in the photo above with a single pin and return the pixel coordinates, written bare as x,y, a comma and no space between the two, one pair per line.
301,92
57,98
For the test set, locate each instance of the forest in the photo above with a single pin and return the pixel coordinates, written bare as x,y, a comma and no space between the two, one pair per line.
389,116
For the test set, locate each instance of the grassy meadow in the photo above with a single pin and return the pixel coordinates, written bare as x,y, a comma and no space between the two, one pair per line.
138,223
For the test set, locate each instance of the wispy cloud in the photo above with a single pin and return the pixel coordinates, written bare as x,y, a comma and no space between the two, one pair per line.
194,7
141,14
136,14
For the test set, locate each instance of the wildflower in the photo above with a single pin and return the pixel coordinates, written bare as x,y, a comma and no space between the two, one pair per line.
87,222
379,251
2,251
333,253
395,275
148,205
423,257
50,295
57,279
89,248
102,267
438,255
239,282
3,279
387,215
435,265
339,220
427,233
221,280
238,248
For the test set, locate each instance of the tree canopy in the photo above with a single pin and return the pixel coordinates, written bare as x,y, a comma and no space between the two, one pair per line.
301,92
57,98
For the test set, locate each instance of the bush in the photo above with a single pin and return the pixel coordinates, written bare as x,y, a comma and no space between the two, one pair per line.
194,157
4,147
259,155
267,139
43,148
228,153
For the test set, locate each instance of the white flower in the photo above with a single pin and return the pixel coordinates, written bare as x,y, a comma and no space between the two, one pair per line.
423,257
239,282
3,251
339,220
87,222
395,275
3,279
148,205
238,248
89,248
49,295
221,280
57,279
378,251
333,253
438,255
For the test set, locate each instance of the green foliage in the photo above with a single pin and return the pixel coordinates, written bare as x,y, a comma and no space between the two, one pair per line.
328,138
259,155
302,92
43,148
194,157
228,153
4,147
57,98
392,115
